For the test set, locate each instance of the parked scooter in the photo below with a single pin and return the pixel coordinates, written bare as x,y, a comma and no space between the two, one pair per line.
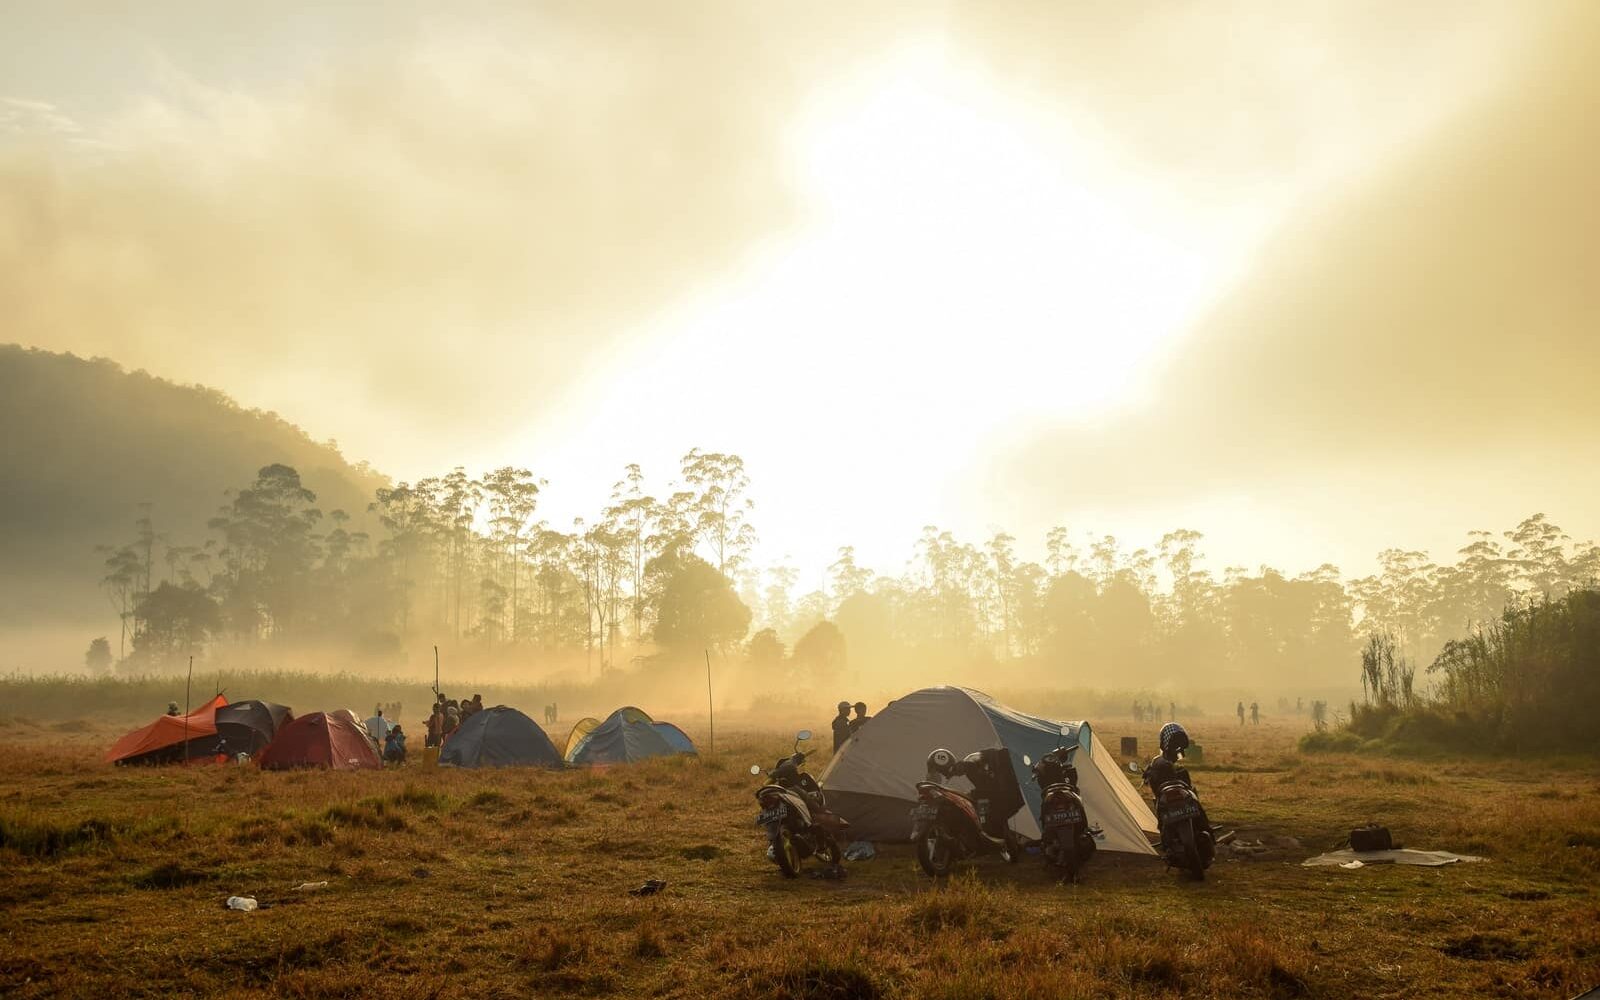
948,826
1186,839
795,813
1065,838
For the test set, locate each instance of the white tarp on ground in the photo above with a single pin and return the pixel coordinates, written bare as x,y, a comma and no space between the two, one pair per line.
1398,856
872,780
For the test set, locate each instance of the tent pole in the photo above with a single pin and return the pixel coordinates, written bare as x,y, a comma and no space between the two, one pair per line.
711,712
436,671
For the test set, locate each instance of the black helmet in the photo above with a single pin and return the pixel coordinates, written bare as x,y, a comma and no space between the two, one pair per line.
1173,738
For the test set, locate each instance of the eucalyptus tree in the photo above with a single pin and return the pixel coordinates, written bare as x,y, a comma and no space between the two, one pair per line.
849,577
513,496
720,509
269,529
635,517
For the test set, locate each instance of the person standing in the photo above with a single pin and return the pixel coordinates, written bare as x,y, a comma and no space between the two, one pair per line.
1241,713
435,727
379,727
1255,714
1174,707
841,726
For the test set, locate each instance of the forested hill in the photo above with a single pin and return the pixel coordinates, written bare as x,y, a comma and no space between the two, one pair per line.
84,444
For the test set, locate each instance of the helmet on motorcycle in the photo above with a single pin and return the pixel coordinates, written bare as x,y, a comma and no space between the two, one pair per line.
1173,738
941,760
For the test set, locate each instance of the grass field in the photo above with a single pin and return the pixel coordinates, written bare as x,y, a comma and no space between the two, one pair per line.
445,883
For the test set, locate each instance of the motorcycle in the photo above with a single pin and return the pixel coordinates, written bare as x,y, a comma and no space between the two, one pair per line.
948,826
1186,839
795,814
1065,838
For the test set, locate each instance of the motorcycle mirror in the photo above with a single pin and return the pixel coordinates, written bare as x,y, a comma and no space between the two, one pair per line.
755,768
1027,761
802,735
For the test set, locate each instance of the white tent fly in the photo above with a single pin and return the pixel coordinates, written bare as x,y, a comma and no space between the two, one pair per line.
872,780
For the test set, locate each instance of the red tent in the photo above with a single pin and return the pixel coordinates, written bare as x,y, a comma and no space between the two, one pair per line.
163,741
322,739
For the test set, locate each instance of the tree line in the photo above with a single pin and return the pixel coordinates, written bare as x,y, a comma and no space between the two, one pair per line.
663,575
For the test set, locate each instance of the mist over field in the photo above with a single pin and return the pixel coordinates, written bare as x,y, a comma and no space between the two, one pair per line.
1010,344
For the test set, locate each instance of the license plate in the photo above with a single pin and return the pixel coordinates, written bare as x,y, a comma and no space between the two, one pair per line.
1063,816
1185,811
773,815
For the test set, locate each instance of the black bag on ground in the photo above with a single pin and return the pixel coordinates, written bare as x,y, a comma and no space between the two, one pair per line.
1371,837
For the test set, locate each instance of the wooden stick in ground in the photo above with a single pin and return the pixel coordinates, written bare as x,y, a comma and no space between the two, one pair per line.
187,688
711,712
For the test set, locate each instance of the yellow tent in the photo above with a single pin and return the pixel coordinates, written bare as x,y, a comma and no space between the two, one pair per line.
582,729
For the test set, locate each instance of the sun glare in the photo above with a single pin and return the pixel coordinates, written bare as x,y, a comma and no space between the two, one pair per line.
964,221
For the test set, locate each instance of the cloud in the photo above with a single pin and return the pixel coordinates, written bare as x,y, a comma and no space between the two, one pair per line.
427,236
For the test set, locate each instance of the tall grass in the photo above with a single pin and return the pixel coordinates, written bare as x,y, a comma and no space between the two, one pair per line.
1529,680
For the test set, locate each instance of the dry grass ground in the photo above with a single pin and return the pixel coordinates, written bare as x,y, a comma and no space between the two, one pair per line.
513,883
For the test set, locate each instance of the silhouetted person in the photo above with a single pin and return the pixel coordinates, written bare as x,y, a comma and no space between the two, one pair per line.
861,719
841,726
1138,712
1241,713
1255,714
1174,706
435,727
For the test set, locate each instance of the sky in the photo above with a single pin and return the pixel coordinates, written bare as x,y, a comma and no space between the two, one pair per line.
1314,281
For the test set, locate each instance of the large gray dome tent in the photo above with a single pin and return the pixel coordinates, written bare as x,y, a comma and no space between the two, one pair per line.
499,737
872,780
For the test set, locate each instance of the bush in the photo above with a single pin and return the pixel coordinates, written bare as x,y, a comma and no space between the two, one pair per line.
1338,741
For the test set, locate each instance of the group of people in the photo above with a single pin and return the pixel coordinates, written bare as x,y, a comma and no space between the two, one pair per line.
1149,713
1255,713
844,726
387,734
448,715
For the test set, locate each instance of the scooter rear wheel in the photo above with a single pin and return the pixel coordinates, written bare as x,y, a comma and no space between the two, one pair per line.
1067,852
1191,851
828,850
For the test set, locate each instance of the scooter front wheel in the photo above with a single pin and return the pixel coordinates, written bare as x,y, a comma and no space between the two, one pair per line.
784,850
934,855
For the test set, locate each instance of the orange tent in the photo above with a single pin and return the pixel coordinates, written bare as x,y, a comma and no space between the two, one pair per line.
163,741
